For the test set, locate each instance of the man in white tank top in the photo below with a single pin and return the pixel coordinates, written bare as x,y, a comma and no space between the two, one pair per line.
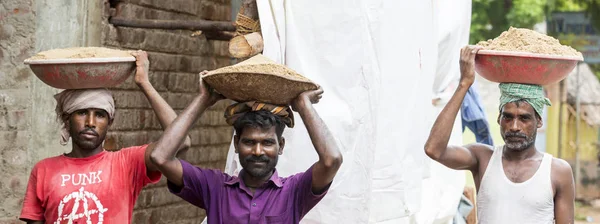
515,182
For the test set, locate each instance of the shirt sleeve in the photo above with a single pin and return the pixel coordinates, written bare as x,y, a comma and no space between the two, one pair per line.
32,205
305,196
135,158
200,186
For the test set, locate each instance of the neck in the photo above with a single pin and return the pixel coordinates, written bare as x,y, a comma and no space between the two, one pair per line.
517,155
78,152
255,182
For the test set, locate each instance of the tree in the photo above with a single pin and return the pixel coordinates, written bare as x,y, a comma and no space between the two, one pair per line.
490,18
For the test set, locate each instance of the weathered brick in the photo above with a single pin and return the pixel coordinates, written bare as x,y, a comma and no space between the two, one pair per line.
180,100
163,62
110,35
209,153
130,99
141,217
219,48
184,82
151,121
159,81
161,197
161,41
195,64
221,105
211,135
124,139
182,6
127,10
222,62
175,212
212,118
129,119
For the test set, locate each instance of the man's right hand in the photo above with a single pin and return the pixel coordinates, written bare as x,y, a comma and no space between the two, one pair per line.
142,67
208,94
467,64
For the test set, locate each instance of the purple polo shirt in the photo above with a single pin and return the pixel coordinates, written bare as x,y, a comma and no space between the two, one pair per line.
226,199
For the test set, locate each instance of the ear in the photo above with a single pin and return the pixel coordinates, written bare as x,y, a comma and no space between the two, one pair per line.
498,119
281,145
540,122
236,140
66,120
110,122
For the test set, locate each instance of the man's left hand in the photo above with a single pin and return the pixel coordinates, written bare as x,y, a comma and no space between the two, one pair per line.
142,67
306,98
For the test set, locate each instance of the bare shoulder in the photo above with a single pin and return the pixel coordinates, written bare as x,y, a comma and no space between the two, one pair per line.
561,169
481,151
562,175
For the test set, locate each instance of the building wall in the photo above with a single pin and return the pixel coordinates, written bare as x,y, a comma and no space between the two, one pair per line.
28,128
589,187
176,58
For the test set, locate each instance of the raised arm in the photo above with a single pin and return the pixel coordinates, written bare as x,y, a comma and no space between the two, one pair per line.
161,108
330,157
455,157
165,149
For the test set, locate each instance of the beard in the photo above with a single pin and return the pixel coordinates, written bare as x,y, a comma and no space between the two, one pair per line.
87,144
523,143
258,166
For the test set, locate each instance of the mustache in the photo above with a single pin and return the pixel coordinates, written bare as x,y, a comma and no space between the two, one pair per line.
262,158
514,134
89,130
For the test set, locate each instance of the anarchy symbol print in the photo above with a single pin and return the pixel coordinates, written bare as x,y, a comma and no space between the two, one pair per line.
81,198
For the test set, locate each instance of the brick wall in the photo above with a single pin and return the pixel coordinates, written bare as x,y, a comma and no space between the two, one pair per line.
17,25
176,58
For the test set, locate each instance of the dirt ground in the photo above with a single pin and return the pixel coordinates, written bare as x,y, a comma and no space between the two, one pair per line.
585,211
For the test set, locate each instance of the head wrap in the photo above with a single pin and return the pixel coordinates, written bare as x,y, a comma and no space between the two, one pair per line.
532,94
71,100
235,111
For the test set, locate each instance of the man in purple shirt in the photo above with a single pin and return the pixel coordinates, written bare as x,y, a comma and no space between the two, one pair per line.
258,195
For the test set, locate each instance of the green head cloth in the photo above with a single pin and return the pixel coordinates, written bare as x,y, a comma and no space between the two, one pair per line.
532,94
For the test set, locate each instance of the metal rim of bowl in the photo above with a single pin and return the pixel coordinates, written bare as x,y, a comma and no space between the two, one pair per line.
79,60
529,55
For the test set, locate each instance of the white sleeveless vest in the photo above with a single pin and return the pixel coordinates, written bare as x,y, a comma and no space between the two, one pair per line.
500,200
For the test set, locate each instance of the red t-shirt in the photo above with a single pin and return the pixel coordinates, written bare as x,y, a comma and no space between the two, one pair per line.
98,189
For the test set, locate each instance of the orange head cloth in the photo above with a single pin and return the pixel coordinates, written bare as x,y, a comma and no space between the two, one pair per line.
233,112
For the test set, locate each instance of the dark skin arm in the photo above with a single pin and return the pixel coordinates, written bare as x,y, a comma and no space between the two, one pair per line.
564,188
165,149
330,157
161,108
34,222
455,157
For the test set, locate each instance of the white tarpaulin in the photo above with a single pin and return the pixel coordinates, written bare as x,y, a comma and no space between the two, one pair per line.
443,187
376,61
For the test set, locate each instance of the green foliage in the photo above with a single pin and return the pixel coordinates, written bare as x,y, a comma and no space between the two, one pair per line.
492,17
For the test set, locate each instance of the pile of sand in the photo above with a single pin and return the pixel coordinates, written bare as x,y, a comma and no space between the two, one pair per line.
81,52
264,69
525,40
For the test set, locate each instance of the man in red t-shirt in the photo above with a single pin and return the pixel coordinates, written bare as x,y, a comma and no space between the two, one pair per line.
90,184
